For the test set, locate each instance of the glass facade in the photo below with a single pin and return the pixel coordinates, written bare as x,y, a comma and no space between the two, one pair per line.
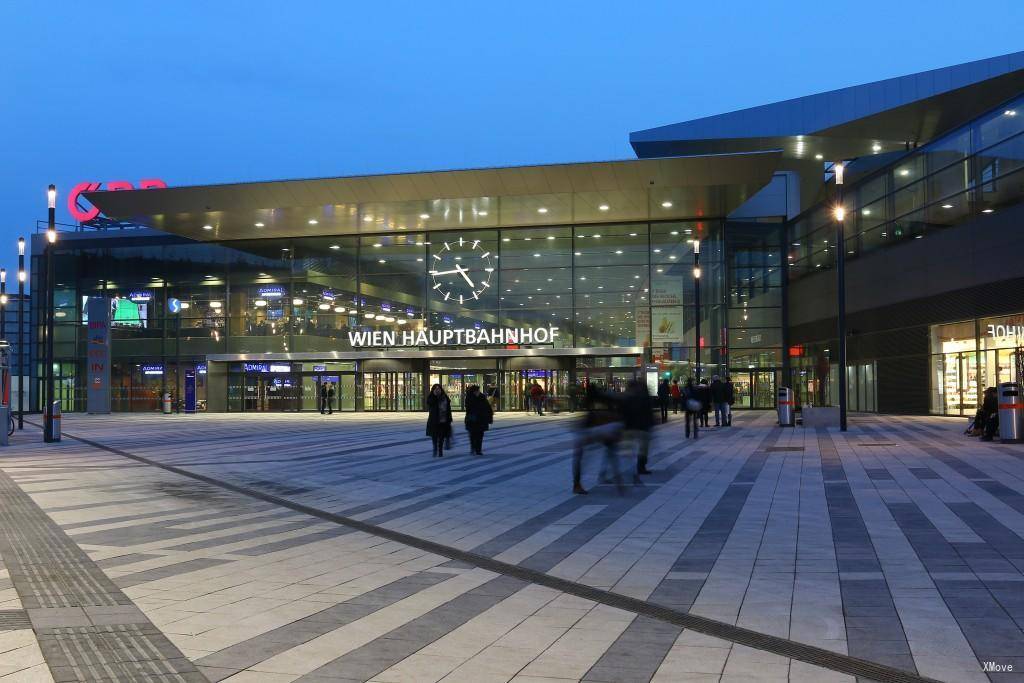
975,169
607,286
967,357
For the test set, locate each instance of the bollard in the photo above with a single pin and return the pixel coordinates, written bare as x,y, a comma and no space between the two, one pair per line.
166,404
5,412
1011,413
55,420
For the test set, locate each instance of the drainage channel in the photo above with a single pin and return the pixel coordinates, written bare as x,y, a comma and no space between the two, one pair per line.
784,647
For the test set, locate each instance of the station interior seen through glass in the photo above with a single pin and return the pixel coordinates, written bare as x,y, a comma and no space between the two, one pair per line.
602,286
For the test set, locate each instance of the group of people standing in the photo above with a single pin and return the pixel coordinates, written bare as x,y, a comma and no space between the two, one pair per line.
697,400
478,419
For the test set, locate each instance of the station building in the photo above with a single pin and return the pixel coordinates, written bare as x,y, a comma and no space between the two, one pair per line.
258,293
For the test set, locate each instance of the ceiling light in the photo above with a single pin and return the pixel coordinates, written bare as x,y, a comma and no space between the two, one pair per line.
876,147
335,246
536,256
578,253
401,321
424,216
666,205
207,227
947,206
258,225
551,237
377,245
215,304
339,309
597,237
389,319
313,221
819,157
367,219
987,210
618,251
603,207
904,171
368,316
324,307
542,209
506,239
479,213
1010,112
297,302
866,212
260,303
381,261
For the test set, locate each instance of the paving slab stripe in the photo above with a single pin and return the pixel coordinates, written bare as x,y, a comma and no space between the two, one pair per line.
761,641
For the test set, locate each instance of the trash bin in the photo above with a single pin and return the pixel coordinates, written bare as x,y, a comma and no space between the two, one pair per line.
1011,412
787,413
167,404
5,412
55,421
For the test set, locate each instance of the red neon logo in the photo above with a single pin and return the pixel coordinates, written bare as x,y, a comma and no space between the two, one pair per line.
83,213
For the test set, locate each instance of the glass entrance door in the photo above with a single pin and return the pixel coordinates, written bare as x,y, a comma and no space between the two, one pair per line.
515,393
344,385
753,388
391,391
271,392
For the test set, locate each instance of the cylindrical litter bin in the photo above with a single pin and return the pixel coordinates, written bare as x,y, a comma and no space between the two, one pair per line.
167,404
55,421
1011,412
5,412
787,413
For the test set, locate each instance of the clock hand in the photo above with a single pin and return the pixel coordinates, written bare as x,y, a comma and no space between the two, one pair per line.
462,272
444,272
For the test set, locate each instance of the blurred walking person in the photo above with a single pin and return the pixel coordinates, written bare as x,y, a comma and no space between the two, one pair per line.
637,422
439,418
479,416
600,425
537,398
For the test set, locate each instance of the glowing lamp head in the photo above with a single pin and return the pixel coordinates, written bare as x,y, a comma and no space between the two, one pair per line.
3,275
51,197
21,246
696,272
21,276
839,212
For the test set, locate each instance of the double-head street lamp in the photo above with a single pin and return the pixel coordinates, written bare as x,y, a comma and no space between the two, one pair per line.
51,239
22,342
840,214
696,297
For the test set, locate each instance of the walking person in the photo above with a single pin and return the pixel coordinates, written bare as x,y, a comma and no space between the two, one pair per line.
600,425
730,398
323,398
693,408
479,416
439,418
663,397
637,422
537,398
704,396
330,398
677,396
718,400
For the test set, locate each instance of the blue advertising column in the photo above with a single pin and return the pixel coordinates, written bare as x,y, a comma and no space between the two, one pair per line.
98,355
190,391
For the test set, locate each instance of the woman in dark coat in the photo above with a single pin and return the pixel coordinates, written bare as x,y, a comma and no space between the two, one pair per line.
479,417
439,418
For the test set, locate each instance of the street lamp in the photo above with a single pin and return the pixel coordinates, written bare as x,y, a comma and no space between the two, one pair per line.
51,239
696,296
22,344
839,212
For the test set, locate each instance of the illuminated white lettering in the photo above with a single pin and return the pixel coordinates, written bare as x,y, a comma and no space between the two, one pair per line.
526,336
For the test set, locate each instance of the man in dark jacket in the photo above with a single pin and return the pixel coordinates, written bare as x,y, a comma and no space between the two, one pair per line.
730,399
479,417
601,424
718,401
663,399
638,420
439,418
323,398
704,396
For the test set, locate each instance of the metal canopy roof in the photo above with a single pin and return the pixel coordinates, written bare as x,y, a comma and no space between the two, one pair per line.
613,191
877,117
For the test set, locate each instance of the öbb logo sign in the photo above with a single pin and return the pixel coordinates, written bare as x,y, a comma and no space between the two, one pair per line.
82,213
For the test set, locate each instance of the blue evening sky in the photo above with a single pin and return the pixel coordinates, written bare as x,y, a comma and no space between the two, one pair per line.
207,92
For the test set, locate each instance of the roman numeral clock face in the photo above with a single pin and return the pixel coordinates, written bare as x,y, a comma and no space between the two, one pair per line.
461,270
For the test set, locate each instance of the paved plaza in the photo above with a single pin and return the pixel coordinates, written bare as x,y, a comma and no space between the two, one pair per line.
334,548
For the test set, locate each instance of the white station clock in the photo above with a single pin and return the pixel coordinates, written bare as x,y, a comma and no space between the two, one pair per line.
461,270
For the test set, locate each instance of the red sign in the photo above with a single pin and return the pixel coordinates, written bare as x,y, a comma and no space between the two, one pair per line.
83,214
796,350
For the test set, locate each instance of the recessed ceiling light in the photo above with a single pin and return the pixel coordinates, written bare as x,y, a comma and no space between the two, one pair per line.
313,221
866,212
551,237
297,302
603,207
618,251
876,147
819,157
335,246
506,239
258,225
424,216
542,209
481,213
207,227
597,237
382,261
536,256
947,206
377,245
904,171
666,205
987,210
367,219
1010,112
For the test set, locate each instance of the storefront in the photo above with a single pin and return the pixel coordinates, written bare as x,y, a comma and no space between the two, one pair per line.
967,357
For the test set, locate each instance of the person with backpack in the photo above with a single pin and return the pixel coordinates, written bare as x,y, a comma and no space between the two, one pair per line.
479,416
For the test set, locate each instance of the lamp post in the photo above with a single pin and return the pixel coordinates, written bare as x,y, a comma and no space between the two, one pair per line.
840,214
51,239
3,303
696,297
22,344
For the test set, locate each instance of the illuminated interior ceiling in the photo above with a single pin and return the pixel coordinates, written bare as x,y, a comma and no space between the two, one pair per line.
874,118
559,194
